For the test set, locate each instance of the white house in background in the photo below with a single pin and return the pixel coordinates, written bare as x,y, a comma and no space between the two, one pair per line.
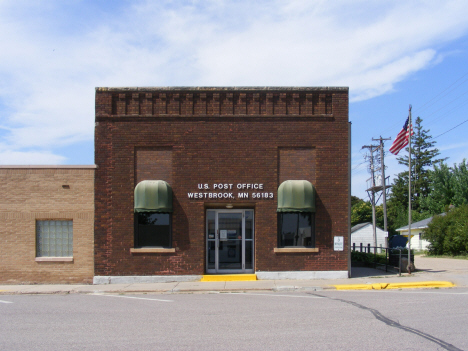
417,229
363,233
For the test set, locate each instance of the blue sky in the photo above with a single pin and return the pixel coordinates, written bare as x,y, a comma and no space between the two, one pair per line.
389,54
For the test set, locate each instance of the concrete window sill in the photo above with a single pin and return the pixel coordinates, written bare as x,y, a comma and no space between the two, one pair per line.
54,259
295,249
152,250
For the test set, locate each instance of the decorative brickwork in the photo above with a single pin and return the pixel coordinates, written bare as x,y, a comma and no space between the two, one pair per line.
219,135
215,102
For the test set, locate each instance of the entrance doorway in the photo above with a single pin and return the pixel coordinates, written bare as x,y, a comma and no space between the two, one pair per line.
230,241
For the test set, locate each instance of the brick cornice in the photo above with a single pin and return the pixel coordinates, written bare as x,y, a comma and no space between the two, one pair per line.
222,101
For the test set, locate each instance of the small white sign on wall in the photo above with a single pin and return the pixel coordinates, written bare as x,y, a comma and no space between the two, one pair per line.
338,243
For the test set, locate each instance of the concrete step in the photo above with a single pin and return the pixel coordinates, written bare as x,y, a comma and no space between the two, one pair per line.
228,277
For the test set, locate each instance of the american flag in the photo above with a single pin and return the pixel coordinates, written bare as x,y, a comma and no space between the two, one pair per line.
402,139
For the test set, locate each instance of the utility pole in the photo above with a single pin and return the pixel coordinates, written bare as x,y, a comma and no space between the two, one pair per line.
384,187
371,191
374,188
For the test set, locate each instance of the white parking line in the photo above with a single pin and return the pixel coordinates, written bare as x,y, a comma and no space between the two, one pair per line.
1,301
133,297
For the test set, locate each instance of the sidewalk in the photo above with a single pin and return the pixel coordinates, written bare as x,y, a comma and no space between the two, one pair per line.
361,276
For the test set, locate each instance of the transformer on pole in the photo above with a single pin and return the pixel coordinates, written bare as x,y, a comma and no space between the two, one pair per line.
377,183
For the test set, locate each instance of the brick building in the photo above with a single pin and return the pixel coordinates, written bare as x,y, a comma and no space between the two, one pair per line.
47,224
195,181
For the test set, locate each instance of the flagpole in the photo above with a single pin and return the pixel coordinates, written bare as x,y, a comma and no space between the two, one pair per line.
408,268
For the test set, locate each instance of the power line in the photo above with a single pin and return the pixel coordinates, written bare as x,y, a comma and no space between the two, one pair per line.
447,104
437,98
450,129
440,97
357,166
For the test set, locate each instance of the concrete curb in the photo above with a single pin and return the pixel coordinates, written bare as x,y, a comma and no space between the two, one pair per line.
175,291
192,289
388,286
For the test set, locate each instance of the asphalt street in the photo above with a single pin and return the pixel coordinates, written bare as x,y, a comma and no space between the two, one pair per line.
424,319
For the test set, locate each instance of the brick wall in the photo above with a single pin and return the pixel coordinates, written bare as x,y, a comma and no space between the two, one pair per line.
45,193
296,164
153,164
220,135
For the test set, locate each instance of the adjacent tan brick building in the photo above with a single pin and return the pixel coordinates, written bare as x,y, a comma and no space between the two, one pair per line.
49,195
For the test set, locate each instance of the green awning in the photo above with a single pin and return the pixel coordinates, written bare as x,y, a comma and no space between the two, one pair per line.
296,196
153,196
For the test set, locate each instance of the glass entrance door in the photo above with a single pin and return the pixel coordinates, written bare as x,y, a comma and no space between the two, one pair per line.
229,241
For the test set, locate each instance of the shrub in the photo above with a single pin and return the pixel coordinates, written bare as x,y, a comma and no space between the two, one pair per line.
448,235
364,257
367,258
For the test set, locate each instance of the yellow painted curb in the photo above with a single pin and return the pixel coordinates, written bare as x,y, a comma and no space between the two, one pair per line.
429,284
229,278
359,287
380,286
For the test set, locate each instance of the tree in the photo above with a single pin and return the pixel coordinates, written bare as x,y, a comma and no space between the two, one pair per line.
361,212
398,199
441,194
460,187
423,158
448,186
448,234
400,219
355,200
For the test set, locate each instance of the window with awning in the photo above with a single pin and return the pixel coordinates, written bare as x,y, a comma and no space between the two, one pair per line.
153,214
296,214
153,196
296,196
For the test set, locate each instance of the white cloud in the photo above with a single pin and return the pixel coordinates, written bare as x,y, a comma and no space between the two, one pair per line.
30,158
458,152
454,146
51,62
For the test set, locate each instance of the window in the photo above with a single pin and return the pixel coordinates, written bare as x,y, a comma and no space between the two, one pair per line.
153,229
296,214
296,229
54,238
153,214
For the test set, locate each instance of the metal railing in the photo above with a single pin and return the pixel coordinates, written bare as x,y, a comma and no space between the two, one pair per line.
391,260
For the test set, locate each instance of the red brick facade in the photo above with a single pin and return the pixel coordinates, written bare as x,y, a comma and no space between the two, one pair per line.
192,136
